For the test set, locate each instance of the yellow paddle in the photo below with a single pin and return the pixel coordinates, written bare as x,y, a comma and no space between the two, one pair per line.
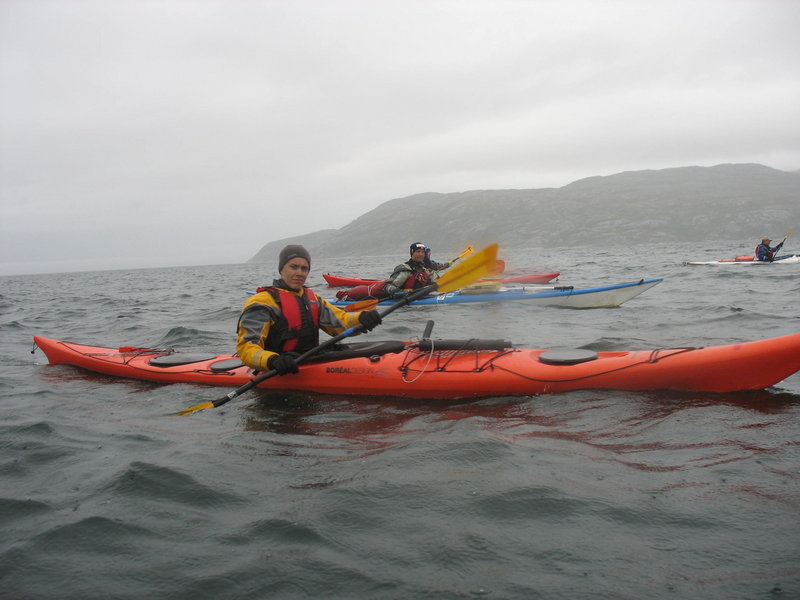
472,269
784,239
779,246
464,254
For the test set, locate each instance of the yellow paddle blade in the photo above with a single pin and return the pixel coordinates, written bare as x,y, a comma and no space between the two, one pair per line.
498,267
367,304
195,408
476,266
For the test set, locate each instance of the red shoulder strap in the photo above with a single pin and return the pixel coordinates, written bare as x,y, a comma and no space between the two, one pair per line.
292,312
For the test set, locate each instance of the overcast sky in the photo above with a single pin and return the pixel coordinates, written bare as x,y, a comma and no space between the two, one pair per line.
138,133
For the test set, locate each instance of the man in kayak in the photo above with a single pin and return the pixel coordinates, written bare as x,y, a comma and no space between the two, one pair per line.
763,251
412,274
283,320
432,264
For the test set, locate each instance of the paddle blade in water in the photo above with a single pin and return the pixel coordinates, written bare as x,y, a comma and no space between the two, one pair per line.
194,409
476,266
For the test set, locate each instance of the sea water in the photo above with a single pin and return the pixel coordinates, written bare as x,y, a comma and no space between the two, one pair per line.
590,494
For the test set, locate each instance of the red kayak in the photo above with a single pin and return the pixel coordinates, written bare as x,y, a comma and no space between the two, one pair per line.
337,281
459,368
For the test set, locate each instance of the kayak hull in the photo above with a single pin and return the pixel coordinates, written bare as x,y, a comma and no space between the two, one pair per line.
421,372
609,296
791,259
339,281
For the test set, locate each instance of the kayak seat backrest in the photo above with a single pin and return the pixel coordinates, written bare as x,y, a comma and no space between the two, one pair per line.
177,359
567,357
474,344
358,350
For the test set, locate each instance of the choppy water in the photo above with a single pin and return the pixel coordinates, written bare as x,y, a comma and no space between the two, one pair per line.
592,494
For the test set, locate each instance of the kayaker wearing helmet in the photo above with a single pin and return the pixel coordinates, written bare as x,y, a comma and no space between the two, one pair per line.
283,320
764,252
432,264
412,274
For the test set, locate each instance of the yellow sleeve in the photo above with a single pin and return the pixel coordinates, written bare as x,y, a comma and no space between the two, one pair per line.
258,314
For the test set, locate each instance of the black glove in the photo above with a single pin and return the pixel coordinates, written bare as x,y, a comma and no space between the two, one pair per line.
283,363
370,319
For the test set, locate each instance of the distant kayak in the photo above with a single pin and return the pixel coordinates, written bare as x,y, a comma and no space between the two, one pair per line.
608,296
458,368
339,281
787,259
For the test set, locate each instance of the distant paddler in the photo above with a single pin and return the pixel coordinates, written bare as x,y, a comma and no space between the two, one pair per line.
414,274
766,253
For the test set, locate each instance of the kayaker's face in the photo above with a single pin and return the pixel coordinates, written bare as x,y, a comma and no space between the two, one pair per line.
294,273
419,255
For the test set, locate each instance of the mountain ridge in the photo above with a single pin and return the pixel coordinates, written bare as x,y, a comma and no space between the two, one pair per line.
680,204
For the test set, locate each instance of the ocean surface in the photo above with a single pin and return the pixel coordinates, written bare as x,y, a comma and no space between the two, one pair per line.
584,495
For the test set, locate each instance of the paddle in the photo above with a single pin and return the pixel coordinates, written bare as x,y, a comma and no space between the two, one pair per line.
472,269
366,304
779,246
464,253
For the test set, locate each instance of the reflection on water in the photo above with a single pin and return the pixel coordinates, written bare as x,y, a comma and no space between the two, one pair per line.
592,418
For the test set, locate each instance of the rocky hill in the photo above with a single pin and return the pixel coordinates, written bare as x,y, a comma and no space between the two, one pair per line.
731,201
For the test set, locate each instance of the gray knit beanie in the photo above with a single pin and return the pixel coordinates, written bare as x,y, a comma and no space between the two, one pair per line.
293,251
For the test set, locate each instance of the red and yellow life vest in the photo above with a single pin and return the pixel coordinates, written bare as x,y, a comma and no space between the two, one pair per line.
298,327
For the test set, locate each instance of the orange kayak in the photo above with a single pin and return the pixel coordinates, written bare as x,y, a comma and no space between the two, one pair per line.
340,281
459,368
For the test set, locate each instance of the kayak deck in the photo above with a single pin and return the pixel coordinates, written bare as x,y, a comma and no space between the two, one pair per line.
453,369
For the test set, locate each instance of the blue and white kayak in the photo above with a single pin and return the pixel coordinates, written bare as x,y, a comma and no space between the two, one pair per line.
607,296
787,259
